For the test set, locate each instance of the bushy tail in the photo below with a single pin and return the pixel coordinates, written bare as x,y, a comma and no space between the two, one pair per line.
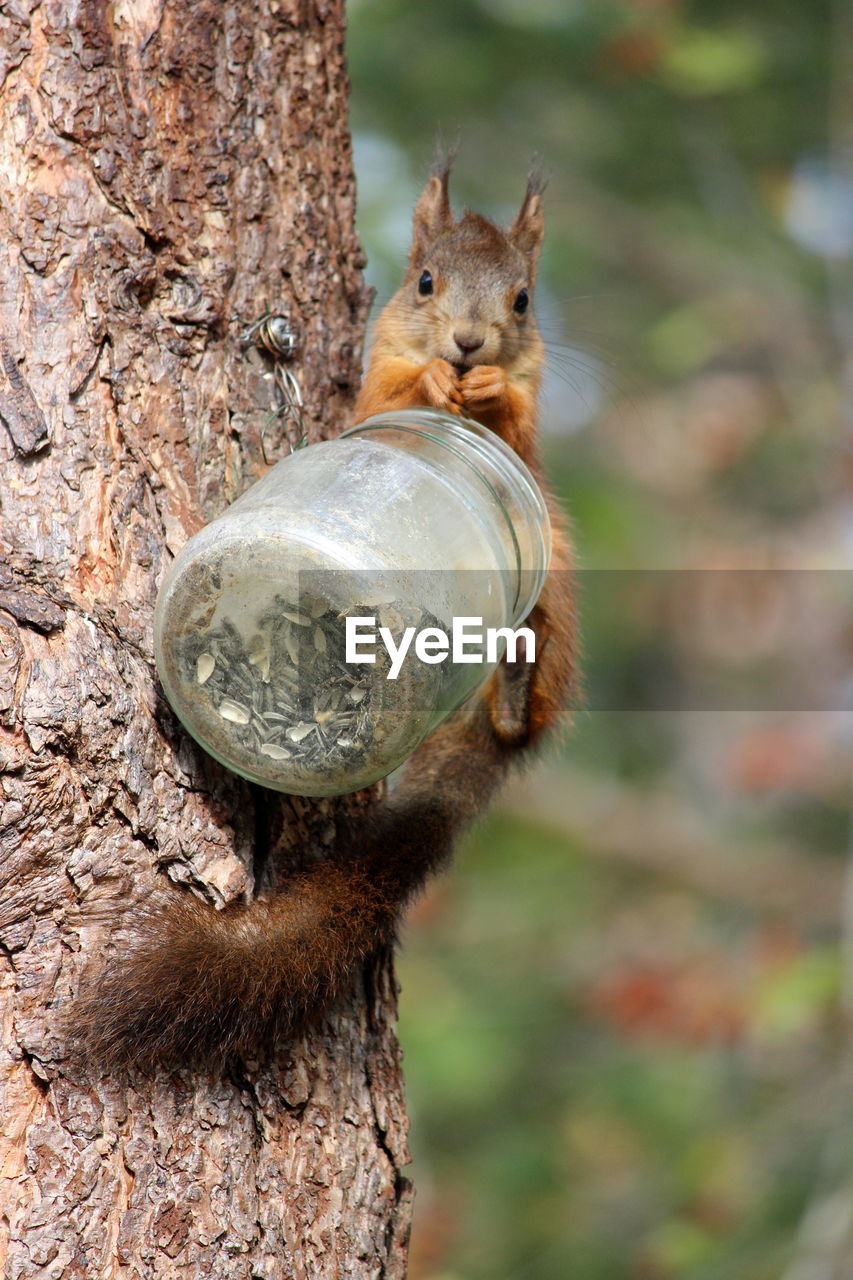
193,984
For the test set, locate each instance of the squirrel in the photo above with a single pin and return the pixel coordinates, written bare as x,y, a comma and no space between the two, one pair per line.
194,984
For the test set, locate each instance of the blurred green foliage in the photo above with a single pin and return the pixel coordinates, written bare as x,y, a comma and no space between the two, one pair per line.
622,1011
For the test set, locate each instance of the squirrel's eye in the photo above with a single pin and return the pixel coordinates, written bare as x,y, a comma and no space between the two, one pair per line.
425,284
521,301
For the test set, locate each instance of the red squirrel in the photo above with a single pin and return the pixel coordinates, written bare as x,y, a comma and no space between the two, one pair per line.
195,984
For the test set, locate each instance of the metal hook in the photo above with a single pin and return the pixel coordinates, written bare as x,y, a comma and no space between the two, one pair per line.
273,334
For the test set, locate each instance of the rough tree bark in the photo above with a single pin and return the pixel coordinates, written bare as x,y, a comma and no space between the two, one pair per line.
168,171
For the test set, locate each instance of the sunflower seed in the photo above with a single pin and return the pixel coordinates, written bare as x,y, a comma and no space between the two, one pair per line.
204,666
234,711
300,731
292,646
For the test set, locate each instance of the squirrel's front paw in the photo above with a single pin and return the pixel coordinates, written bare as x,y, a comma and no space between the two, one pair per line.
483,385
440,387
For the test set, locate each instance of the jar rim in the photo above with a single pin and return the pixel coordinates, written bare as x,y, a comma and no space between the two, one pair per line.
446,430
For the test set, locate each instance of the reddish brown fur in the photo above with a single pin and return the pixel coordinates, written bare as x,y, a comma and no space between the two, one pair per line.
478,270
194,984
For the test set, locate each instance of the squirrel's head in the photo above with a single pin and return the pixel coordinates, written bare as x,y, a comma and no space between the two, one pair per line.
467,296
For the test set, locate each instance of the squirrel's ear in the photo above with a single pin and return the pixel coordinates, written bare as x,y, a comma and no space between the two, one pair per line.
529,226
432,212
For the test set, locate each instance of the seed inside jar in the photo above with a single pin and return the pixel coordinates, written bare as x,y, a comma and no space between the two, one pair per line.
204,666
234,711
279,691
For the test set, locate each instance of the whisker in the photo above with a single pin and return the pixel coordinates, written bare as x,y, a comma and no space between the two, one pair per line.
584,338
580,348
606,381
570,382
607,376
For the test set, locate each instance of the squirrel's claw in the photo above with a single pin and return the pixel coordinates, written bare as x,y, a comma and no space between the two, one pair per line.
482,385
440,386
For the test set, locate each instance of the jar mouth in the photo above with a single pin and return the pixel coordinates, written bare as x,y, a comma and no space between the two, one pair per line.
500,470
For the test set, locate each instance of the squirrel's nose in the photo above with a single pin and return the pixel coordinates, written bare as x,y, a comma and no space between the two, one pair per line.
467,342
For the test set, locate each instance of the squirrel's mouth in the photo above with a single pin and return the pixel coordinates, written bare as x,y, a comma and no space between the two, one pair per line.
461,367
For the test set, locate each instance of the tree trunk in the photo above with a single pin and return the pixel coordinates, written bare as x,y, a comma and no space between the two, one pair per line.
172,170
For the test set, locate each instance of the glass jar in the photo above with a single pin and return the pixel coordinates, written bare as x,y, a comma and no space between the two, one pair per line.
407,521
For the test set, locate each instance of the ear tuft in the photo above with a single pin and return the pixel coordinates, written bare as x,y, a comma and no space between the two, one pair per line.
529,226
432,213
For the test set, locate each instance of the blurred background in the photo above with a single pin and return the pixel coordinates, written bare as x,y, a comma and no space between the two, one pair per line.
625,1013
